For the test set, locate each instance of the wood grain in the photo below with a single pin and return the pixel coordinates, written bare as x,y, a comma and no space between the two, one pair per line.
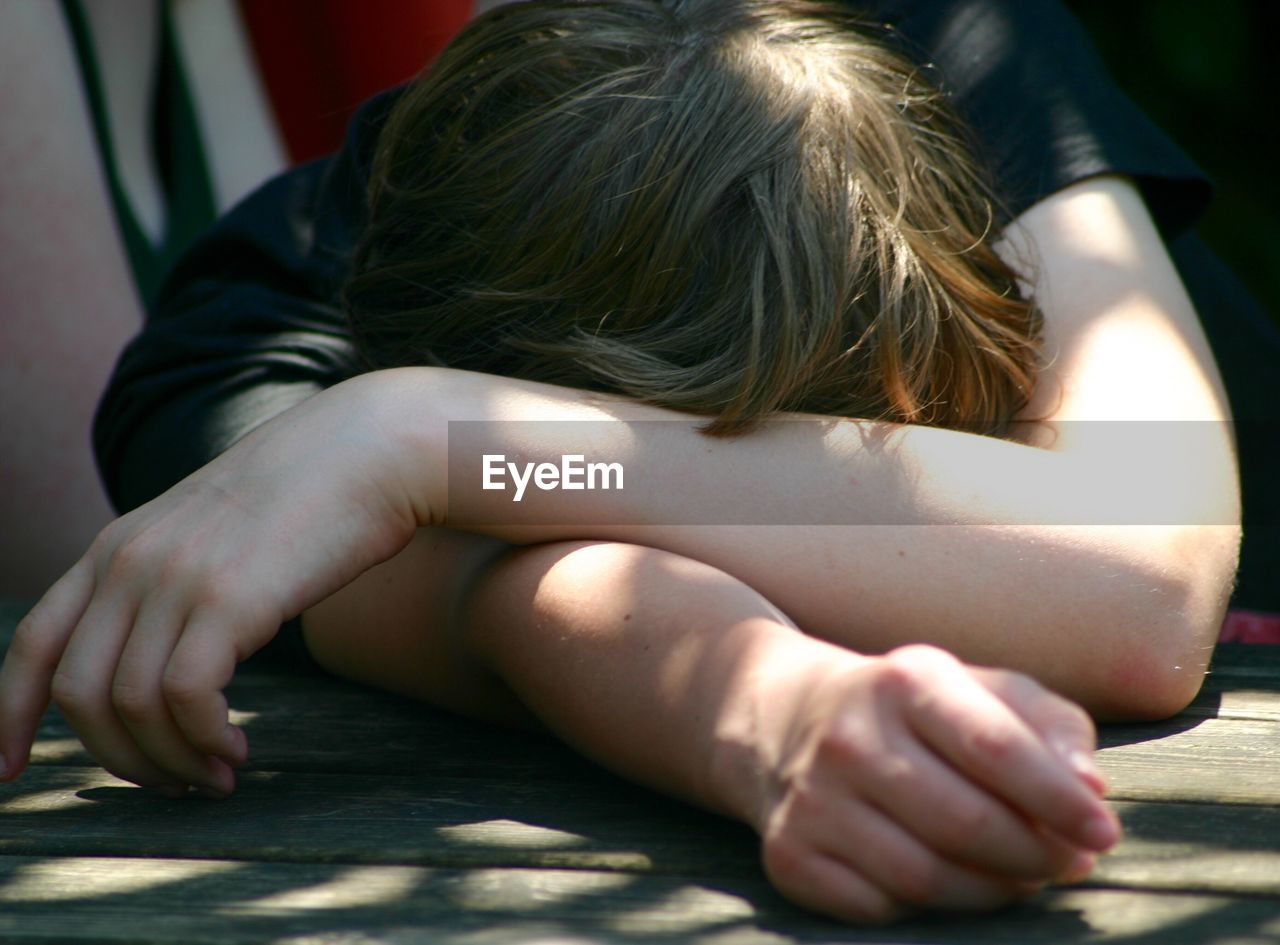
195,902
314,818
364,818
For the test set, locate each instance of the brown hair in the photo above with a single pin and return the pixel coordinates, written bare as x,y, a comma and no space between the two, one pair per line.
728,207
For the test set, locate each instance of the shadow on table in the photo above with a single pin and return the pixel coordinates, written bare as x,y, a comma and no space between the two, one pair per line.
310,875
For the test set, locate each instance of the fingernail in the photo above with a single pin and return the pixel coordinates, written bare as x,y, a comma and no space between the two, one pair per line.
1101,832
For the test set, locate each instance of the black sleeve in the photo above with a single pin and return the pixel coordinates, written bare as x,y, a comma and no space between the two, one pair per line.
246,326
1043,108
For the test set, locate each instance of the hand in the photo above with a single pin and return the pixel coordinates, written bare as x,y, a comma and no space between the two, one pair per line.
138,639
913,781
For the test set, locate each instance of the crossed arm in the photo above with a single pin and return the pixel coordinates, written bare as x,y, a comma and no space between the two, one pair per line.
1116,539
139,638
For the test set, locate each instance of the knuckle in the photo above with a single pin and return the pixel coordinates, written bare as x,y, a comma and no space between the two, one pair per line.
206,742
913,671
921,656
132,702
72,697
181,689
896,775
107,539
989,747
966,826
130,557
147,553
842,743
895,677
28,643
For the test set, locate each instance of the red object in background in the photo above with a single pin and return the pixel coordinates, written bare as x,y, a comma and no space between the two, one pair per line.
1250,626
320,59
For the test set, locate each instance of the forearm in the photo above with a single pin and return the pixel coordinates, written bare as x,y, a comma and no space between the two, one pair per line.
1003,581
643,660
678,676
1100,558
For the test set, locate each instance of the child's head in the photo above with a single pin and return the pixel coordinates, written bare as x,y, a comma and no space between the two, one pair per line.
729,207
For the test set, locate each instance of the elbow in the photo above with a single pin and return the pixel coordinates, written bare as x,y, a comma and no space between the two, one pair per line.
1141,685
1161,653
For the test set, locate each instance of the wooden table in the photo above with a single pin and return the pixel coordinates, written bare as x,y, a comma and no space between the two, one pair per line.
362,818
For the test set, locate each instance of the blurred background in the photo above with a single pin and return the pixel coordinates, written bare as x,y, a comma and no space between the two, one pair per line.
1199,68
1206,73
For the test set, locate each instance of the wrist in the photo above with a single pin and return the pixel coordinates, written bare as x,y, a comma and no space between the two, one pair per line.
412,408
406,413
761,735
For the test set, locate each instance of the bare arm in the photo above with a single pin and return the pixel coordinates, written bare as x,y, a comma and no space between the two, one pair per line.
67,299
682,678
139,638
1041,560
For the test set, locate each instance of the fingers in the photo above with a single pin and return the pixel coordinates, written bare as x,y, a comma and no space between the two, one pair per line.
30,663
824,884
957,819
199,670
154,692
82,690
141,689
845,858
896,861
978,734
1062,725
129,689
922,783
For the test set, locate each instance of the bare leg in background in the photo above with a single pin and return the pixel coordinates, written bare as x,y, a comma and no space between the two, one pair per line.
67,303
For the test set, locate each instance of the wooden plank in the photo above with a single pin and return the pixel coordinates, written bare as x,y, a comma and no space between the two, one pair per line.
322,724
1243,683
1187,759
327,730
325,725
1250,701
1195,848
509,801
606,824
222,903
459,823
